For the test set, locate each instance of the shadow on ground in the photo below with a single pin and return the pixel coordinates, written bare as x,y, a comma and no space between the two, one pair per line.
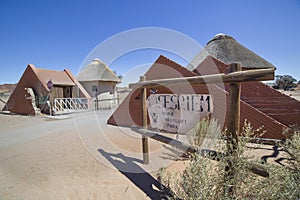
136,174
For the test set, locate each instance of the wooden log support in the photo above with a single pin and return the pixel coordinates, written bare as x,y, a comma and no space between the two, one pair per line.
267,141
234,77
145,145
254,167
167,140
233,118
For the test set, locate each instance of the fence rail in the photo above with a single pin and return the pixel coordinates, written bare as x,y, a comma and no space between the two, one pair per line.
106,104
232,77
255,167
67,105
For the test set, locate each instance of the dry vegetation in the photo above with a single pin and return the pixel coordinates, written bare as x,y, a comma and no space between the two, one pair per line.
206,179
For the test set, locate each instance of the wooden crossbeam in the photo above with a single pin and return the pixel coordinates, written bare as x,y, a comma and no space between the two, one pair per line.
255,167
234,77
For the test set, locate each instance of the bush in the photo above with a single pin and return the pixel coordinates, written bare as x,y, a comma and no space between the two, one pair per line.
204,133
206,179
285,82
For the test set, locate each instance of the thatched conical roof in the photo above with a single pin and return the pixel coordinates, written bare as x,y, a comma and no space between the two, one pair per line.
226,49
97,71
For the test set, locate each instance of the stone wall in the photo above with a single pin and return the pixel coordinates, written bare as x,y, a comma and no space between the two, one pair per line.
3,98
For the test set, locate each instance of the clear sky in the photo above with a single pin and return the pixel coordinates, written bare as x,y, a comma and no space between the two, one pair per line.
58,34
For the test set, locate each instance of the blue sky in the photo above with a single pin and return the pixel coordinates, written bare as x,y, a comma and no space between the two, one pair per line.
60,34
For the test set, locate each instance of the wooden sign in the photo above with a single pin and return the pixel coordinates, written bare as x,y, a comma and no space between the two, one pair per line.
177,113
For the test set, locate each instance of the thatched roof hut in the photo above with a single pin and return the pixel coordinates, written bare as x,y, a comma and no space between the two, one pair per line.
226,49
98,78
97,71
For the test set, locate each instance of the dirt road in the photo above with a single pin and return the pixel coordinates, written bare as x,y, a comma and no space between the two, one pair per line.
76,158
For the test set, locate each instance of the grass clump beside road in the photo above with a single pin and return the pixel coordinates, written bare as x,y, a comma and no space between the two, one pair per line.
204,178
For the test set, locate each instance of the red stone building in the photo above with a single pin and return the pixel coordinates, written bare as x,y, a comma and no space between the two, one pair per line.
31,94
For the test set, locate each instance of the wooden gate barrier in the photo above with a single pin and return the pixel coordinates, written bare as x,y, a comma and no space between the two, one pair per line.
234,77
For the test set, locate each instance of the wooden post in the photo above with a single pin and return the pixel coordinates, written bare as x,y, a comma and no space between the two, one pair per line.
50,104
97,103
233,118
144,122
234,107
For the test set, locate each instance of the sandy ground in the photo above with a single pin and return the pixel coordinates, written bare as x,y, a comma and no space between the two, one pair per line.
76,158
80,157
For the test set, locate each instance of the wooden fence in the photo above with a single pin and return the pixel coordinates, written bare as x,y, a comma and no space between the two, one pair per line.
67,105
106,104
234,77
